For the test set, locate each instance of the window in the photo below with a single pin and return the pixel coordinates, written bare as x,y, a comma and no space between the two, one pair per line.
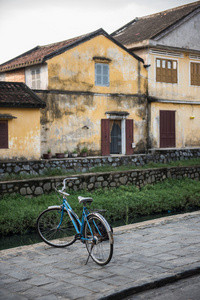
166,70
35,74
4,134
195,74
101,74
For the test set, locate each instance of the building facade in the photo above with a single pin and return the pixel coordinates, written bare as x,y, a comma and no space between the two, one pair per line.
95,94
169,43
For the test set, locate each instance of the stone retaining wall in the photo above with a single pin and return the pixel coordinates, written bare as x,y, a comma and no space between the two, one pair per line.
85,164
35,187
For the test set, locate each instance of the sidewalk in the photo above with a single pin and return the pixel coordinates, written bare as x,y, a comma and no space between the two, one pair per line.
146,254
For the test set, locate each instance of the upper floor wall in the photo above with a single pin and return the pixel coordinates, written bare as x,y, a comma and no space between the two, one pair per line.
97,65
172,75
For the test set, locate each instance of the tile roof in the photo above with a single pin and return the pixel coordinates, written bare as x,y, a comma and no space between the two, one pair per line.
40,54
148,27
36,55
18,94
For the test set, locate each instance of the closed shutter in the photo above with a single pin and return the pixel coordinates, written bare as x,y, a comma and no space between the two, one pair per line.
167,129
195,74
3,134
105,137
129,137
101,74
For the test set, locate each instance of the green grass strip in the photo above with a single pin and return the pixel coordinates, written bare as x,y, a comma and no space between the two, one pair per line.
19,214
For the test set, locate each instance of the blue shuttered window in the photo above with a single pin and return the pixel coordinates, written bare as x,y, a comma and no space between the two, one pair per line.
102,74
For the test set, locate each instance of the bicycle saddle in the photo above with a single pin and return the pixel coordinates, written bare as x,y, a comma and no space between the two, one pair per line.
84,200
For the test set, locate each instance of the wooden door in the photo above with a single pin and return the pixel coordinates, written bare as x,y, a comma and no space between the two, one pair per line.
4,134
167,129
105,137
129,136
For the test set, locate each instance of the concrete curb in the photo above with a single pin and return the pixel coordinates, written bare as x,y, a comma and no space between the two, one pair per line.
151,285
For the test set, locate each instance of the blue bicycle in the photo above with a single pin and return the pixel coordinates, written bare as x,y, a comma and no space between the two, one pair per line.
59,226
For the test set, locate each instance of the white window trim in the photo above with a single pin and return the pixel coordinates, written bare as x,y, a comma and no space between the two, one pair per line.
166,58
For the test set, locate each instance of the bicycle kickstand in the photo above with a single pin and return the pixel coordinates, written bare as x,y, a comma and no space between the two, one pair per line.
89,253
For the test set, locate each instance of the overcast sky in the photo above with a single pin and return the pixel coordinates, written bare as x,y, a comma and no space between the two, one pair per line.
25,24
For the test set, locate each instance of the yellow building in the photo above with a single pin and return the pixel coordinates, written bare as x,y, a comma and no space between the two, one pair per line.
169,43
19,122
95,92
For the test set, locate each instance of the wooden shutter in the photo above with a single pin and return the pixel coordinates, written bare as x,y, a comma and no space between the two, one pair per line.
167,129
105,137
129,137
195,74
3,134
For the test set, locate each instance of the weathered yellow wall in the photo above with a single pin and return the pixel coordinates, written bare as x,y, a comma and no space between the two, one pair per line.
187,129
66,115
182,90
75,68
24,134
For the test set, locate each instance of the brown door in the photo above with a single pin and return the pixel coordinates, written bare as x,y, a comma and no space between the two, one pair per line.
105,137
3,134
167,129
129,136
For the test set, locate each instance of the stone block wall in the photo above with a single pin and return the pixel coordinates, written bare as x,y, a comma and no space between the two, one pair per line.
90,182
85,164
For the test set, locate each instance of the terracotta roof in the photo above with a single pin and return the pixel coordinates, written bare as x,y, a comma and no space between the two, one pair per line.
35,55
150,26
40,54
18,94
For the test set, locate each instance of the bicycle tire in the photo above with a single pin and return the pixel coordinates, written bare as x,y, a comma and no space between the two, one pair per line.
101,248
47,228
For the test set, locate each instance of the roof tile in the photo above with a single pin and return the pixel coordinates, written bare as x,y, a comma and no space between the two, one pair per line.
18,94
150,26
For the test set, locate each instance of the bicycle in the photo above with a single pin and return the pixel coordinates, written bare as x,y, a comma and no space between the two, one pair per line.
59,226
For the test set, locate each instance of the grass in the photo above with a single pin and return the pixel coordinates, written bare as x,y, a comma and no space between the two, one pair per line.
19,214
103,169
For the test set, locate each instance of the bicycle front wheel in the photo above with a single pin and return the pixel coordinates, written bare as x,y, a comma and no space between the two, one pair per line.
100,239
55,227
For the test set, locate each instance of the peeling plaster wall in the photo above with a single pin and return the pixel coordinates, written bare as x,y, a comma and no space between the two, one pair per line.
23,134
71,120
182,90
187,129
75,106
75,68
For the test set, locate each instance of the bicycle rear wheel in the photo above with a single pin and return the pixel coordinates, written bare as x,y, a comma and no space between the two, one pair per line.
53,231
101,247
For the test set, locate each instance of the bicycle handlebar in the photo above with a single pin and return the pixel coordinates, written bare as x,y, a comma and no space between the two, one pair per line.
67,179
64,185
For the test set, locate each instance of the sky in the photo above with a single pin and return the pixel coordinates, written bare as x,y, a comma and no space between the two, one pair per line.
25,24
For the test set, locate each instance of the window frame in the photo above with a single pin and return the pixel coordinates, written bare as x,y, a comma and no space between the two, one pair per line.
35,82
198,75
167,75
102,75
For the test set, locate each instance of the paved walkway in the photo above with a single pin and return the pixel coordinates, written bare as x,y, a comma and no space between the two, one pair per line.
145,255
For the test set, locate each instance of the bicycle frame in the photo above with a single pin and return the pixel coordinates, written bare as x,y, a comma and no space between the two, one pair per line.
72,215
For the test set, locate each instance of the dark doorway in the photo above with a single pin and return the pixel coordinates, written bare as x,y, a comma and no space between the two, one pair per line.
167,129
115,137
